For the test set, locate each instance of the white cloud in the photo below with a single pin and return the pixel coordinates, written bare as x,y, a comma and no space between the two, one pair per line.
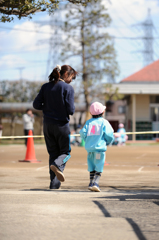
20,48
11,61
24,36
131,11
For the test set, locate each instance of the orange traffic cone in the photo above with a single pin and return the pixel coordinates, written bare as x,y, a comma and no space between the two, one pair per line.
30,152
105,164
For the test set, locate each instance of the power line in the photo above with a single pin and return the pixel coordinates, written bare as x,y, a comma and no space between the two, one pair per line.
24,30
26,66
117,37
154,39
132,17
155,42
23,51
122,27
135,38
32,66
124,37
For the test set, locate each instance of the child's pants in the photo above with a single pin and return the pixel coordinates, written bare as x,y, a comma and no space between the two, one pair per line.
96,161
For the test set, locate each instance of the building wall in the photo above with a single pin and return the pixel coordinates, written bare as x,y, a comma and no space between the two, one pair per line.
116,114
142,108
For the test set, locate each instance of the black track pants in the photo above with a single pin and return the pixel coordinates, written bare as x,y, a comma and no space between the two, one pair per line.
57,138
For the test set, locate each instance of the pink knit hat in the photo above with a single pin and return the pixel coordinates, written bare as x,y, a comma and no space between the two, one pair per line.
97,108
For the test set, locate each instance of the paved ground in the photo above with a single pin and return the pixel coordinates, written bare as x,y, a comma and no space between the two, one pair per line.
127,208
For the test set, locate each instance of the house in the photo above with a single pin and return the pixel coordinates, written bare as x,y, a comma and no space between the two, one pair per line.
115,113
141,91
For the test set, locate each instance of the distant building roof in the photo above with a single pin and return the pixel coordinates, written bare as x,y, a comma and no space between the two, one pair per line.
147,74
137,88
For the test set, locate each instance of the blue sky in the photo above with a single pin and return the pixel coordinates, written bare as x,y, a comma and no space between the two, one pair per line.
24,44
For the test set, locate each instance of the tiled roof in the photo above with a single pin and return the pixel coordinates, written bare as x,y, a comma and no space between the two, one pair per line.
149,73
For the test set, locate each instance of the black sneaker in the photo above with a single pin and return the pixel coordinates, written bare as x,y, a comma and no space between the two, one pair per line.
54,187
55,184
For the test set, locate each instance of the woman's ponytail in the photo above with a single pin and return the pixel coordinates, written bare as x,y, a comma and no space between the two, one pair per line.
60,72
55,74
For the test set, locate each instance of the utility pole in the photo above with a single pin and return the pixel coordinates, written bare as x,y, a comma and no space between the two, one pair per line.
20,72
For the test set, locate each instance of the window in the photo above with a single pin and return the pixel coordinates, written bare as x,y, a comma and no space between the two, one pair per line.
154,99
121,109
155,114
109,105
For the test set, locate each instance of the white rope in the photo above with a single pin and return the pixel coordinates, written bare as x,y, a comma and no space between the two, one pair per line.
76,135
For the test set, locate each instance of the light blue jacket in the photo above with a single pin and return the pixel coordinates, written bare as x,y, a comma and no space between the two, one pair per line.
122,136
97,134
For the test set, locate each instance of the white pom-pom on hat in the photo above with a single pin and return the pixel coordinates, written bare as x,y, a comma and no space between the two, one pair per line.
58,68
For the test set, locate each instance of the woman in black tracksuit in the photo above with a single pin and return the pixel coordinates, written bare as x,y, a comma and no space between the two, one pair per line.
56,100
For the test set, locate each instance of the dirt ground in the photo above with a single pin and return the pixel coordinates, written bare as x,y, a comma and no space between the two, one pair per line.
129,167
125,209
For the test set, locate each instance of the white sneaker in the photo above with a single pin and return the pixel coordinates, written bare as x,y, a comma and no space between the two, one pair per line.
95,187
90,186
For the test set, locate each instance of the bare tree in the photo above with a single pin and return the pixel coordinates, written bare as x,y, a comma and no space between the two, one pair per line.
87,41
20,91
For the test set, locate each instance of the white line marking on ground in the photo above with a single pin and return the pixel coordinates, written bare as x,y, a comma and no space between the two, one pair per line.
140,169
143,155
41,168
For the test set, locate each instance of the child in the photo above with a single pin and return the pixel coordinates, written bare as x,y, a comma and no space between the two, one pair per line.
121,139
97,134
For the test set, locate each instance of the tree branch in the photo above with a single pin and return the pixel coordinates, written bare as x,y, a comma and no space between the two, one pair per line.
18,12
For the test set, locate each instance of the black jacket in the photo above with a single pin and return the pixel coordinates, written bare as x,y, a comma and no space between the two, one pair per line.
56,101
